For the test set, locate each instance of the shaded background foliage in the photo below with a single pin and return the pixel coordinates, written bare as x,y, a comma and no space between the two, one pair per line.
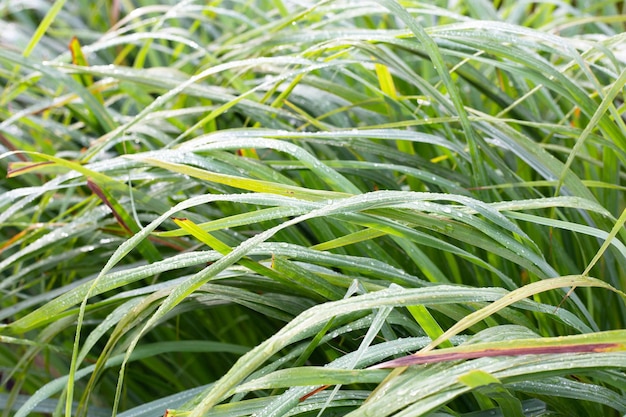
182,180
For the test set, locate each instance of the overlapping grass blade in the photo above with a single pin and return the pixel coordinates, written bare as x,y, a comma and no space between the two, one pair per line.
364,175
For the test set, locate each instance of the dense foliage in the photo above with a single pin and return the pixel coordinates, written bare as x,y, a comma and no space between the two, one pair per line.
235,208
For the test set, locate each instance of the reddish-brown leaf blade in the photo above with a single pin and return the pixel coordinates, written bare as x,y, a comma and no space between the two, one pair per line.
445,355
